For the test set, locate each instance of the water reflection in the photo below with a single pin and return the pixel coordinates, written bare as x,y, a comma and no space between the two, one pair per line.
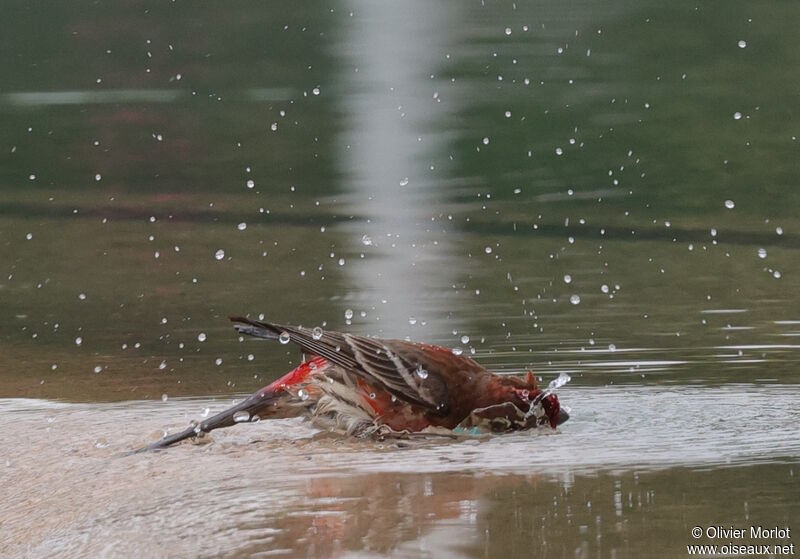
393,157
630,487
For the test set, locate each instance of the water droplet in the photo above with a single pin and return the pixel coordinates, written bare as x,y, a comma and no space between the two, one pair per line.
559,381
201,337
508,114
575,299
730,204
164,397
255,419
604,288
82,296
508,31
464,339
98,176
762,253
218,361
348,314
779,230
743,44
372,395
29,236
421,372
559,151
205,413
366,240
315,91
404,181
567,278
250,356
486,141
78,340
302,394
457,351
612,347
98,369
251,183
242,226
162,365
316,333
220,254
737,115
776,274
488,250
241,416
284,338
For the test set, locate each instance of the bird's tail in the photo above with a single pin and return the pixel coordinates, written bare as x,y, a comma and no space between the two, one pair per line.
257,329
244,411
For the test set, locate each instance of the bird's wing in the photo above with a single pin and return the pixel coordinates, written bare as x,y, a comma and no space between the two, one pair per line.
412,372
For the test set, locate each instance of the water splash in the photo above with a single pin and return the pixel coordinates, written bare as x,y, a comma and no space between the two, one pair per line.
536,408
561,380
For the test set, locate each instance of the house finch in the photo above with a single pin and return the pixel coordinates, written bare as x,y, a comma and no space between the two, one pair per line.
366,386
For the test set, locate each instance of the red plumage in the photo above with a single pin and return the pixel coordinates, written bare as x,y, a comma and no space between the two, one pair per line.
367,386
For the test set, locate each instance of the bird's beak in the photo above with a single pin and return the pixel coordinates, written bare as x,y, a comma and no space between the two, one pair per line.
560,418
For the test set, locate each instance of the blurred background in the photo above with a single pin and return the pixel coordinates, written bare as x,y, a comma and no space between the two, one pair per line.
604,189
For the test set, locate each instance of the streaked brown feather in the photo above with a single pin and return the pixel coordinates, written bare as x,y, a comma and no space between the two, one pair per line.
392,365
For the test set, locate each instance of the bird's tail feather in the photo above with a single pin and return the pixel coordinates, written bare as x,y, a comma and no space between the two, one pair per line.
256,329
239,413
288,396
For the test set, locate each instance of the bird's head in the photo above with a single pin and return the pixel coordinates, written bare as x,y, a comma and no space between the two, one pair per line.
553,413
541,408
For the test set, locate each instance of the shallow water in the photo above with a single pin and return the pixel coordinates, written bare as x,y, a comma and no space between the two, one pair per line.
628,457
609,192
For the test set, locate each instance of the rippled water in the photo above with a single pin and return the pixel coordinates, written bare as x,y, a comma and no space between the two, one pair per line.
607,192
283,488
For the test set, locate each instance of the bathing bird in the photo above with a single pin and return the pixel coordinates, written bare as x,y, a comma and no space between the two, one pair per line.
370,387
